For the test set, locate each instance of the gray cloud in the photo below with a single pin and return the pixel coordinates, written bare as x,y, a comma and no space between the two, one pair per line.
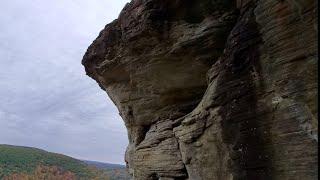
46,100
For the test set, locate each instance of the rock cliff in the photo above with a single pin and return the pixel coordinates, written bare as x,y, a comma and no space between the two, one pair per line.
213,89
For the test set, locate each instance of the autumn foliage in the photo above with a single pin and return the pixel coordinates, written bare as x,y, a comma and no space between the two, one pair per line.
44,173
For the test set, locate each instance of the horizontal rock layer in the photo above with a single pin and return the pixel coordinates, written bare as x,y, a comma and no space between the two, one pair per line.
213,89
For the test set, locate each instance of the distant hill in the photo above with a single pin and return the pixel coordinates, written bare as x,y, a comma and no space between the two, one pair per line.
18,162
113,171
102,165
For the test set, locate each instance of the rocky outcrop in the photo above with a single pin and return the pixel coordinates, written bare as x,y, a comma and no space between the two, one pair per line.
213,89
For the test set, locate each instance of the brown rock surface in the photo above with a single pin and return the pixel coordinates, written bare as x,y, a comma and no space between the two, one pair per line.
213,89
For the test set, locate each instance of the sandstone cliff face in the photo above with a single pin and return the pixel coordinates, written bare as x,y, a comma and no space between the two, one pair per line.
213,89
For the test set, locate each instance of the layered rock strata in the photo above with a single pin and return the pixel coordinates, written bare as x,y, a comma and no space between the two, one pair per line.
213,89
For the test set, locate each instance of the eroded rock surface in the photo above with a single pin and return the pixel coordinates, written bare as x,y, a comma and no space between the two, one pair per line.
213,89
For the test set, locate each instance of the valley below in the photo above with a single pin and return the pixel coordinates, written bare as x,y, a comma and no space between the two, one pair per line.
25,163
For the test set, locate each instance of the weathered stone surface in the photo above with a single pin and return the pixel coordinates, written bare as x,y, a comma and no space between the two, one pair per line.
213,89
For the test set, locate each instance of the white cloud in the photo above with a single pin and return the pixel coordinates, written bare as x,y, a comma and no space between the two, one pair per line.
46,100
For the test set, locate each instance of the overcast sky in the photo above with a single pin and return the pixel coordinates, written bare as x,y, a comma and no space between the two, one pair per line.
46,100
